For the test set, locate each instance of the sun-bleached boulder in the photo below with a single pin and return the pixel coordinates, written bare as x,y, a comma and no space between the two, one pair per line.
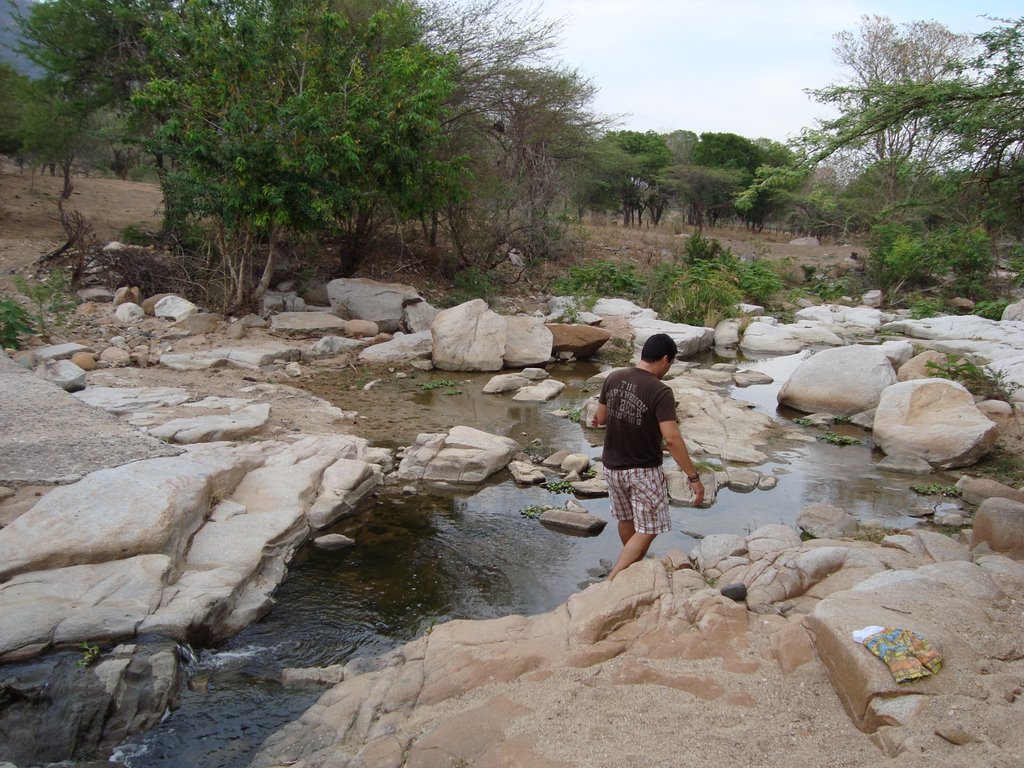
527,341
360,298
185,546
469,337
462,456
842,381
933,419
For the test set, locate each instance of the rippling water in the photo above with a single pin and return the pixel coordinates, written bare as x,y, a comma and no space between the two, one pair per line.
427,559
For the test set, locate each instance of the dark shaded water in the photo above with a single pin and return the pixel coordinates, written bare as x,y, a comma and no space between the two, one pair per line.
427,559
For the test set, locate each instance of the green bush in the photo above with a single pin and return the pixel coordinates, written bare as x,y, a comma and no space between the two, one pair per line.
707,294
132,234
471,283
966,256
51,298
759,282
601,278
703,249
660,284
902,259
829,291
14,323
1017,263
925,307
993,310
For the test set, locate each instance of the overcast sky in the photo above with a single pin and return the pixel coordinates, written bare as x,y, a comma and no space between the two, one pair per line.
736,66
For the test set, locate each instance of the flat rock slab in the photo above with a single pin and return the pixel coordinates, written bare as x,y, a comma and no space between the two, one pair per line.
49,437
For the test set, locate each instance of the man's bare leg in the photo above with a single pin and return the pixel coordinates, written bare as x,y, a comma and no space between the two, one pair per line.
633,550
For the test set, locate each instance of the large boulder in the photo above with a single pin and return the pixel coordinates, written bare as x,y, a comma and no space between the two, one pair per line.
718,425
174,307
469,337
578,341
690,339
364,299
824,521
960,608
769,339
463,456
305,324
188,547
842,381
1013,311
528,342
1000,524
934,419
403,348
56,710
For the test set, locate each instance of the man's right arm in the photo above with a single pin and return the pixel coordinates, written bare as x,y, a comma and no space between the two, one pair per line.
601,416
678,451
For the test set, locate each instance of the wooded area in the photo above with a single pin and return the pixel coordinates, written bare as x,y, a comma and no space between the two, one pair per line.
448,131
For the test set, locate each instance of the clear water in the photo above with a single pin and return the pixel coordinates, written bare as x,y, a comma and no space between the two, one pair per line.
427,559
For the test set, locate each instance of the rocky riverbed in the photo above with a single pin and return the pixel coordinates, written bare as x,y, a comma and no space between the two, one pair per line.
193,459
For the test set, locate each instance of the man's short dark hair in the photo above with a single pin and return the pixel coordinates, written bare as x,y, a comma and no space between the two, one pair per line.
657,346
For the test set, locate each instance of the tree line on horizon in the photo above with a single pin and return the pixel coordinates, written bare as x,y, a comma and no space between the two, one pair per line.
447,130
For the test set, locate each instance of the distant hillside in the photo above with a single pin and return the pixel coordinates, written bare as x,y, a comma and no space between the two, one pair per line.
9,37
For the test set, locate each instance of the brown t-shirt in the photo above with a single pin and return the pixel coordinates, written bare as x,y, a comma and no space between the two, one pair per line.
637,402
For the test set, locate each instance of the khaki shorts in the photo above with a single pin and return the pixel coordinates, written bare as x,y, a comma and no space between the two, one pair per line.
640,496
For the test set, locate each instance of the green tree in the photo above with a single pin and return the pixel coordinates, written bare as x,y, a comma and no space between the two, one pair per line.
91,54
523,123
292,118
971,115
637,180
721,166
881,54
12,104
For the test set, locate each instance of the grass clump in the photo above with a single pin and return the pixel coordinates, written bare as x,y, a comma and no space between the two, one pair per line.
936,489
833,438
430,386
557,486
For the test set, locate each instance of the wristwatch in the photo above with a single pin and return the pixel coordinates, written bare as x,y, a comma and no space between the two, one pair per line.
695,478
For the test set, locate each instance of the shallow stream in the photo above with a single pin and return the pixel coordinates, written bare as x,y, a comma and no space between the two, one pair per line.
421,560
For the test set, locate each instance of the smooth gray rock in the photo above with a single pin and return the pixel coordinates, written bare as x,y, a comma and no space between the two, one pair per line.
244,422
933,419
62,373
999,523
843,381
174,307
462,456
580,522
469,337
403,348
527,342
364,299
132,399
541,392
305,324
333,542
823,521
60,351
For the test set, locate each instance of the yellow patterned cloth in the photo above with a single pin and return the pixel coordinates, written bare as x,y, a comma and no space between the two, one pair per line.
908,655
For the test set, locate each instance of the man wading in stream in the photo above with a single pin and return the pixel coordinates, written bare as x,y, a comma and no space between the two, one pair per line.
640,412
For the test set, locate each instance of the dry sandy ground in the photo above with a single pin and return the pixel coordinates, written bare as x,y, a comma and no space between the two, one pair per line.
768,720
